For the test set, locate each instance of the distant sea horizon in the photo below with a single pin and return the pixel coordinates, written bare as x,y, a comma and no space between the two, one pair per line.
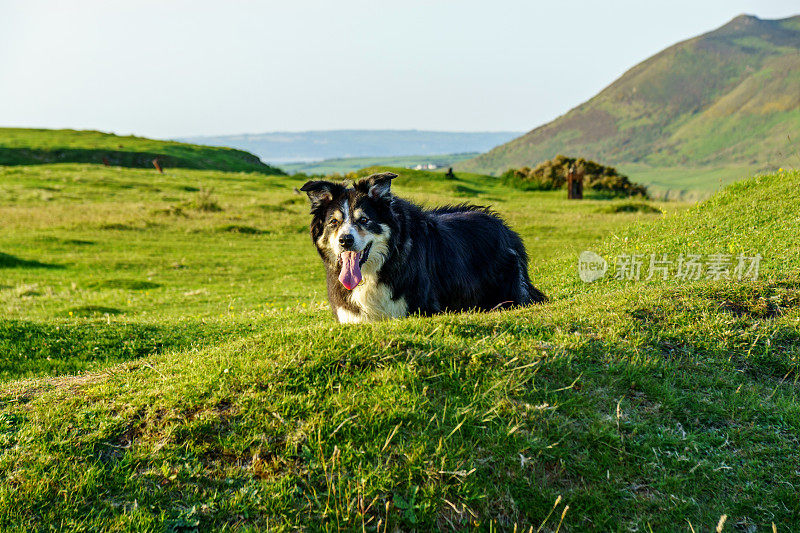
285,147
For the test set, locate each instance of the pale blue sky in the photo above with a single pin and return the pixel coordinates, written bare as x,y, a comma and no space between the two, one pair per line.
179,67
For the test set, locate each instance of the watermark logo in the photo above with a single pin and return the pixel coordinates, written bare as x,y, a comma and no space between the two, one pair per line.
591,266
686,267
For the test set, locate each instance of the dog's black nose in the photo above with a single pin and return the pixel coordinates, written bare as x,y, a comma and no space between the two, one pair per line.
347,241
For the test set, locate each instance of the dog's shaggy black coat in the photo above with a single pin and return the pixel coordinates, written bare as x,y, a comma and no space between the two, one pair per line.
451,258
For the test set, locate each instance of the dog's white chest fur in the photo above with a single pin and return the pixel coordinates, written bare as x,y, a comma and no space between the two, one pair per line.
374,301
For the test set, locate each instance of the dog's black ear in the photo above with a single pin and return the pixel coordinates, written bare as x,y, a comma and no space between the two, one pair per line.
319,191
378,185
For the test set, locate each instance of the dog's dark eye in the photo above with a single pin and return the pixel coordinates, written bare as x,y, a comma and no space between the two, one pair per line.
333,222
363,220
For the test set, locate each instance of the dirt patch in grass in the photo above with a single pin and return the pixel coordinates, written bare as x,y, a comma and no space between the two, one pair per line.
760,307
758,302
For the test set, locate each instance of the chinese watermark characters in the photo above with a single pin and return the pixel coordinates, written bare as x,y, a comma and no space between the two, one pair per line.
663,266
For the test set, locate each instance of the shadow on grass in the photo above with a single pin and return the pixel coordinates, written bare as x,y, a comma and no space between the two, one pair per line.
630,207
463,190
37,349
91,311
245,230
127,284
10,261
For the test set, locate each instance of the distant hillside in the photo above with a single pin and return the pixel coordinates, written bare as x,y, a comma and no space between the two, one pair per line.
351,164
290,147
731,96
20,146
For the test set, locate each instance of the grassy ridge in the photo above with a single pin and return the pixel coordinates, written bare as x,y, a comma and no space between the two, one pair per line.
36,146
635,404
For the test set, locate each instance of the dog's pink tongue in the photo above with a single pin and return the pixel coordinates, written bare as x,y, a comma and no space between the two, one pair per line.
350,276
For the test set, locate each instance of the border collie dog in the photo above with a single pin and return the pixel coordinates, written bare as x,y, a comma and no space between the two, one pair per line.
386,257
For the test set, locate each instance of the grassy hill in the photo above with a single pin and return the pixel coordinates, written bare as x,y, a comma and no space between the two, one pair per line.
725,98
19,146
168,362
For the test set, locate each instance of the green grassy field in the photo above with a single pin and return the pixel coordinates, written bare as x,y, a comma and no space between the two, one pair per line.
351,164
169,362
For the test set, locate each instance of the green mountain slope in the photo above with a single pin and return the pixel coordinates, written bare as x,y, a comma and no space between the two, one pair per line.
20,146
731,96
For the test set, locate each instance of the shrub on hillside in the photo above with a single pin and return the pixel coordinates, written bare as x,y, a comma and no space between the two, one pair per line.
206,201
552,174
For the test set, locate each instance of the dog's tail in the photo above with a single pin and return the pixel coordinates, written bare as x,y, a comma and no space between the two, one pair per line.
531,295
536,296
